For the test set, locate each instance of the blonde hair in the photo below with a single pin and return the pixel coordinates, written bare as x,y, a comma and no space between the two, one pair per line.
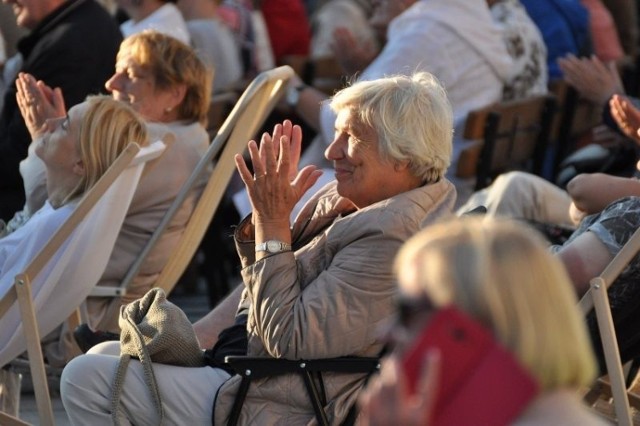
172,63
500,273
107,127
411,116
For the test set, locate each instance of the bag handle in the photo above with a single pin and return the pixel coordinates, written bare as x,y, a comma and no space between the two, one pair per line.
150,378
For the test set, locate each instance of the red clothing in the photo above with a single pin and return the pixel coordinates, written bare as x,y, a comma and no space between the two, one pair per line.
604,35
288,27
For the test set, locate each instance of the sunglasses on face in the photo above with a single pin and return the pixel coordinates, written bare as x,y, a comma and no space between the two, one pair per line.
413,310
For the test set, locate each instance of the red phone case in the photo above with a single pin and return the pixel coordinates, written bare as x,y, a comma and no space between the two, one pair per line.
480,381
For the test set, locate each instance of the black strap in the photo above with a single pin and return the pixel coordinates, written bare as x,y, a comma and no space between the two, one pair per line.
231,341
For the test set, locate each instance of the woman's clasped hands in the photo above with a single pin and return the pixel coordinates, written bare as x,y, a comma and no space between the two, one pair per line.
38,103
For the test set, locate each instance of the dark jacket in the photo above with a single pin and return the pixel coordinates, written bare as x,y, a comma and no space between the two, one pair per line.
73,48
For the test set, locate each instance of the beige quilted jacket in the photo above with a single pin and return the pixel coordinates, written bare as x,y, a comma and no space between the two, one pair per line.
327,298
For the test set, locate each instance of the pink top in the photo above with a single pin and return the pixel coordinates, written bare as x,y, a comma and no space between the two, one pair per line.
604,35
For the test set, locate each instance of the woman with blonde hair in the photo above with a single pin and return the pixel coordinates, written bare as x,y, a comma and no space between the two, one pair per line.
501,275
76,151
177,83
164,81
159,76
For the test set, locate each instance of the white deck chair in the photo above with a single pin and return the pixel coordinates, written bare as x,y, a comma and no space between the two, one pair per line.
49,287
245,119
597,297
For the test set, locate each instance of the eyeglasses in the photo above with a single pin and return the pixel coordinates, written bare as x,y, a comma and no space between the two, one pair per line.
410,309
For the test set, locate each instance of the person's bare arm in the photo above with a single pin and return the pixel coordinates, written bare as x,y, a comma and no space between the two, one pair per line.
592,192
309,101
222,316
584,258
592,78
351,56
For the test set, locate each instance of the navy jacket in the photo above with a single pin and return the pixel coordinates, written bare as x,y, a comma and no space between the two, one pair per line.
564,25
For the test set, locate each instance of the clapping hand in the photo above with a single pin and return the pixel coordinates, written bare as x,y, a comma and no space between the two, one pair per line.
38,103
276,185
626,115
386,400
592,78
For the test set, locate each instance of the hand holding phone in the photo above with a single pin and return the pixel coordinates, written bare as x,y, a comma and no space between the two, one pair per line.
480,382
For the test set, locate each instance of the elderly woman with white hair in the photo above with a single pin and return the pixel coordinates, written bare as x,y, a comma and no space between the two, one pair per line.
315,289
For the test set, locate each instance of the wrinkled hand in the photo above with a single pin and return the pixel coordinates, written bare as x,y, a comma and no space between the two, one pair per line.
626,115
592,78
351,56
276,186
386,400
294,134
38,103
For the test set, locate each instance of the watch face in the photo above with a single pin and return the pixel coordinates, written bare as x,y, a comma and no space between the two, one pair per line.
273,246
292,96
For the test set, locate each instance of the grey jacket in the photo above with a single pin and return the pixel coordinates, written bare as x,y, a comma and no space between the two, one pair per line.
327,298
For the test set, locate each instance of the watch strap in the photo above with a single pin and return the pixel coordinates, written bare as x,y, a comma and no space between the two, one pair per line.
273,246
293,94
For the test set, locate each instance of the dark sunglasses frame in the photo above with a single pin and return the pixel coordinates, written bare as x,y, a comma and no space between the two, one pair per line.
408,309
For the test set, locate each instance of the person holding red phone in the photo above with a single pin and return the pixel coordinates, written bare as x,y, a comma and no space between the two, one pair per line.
488,332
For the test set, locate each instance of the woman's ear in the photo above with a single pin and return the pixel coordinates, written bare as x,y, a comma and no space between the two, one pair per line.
177,92
399,166
78,168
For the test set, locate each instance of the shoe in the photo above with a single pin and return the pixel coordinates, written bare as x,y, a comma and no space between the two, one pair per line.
87,338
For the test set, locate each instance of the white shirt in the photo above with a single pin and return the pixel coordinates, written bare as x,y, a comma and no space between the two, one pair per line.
167,19
527,49
20,247
457,42
215,46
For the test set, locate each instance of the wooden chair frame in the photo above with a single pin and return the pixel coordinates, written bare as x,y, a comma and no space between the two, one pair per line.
245,119
596,297
575,117
22,293
508,135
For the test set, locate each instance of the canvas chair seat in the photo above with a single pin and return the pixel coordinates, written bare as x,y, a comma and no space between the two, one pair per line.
51,286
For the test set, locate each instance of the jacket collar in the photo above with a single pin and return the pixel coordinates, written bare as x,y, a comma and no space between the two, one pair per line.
51,21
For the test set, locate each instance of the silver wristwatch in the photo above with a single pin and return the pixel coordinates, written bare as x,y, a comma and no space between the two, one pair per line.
293,94
273,246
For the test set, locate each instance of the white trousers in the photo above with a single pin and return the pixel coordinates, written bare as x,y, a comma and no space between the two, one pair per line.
523,196
187,393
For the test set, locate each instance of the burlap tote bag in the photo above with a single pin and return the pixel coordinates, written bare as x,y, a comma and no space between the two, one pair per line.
154,330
